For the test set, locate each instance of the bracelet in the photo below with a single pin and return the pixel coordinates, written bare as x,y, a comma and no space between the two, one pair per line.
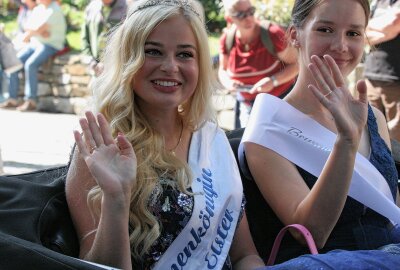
275,82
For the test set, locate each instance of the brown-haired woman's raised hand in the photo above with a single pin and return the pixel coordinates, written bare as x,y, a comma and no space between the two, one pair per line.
349,113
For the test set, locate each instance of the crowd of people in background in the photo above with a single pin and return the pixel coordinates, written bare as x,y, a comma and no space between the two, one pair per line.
254,56
313,149
43,34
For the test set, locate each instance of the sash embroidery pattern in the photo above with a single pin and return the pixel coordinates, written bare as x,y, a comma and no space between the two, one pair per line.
205,220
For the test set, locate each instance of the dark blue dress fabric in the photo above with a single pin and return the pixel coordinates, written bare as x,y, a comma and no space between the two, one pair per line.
342,260
358,228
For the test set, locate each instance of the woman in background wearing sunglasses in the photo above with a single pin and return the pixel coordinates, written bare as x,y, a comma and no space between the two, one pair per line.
247,65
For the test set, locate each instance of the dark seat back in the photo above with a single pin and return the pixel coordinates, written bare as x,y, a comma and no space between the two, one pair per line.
33,207
36,230
258,211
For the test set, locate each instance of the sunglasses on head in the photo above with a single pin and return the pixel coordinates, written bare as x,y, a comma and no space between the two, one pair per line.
243,14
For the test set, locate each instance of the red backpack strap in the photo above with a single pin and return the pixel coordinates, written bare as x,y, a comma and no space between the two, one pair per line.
303,230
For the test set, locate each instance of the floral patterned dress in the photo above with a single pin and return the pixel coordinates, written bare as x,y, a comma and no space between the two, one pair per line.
173,209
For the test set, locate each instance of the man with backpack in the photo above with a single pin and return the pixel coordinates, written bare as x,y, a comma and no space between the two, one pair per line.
254,58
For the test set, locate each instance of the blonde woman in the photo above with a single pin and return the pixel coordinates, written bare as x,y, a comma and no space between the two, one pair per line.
153,184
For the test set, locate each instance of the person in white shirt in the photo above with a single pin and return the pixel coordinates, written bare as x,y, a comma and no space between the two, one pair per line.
47,17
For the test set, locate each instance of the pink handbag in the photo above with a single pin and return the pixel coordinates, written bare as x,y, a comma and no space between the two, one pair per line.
303,230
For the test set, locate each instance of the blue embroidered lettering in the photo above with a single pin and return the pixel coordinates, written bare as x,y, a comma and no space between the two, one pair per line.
200,232
181,259
210,208
206,220
186,250
174,267
205,216
217,249
206,171
211,262
225,226
220,242
210,193
206,178
196,237
228,215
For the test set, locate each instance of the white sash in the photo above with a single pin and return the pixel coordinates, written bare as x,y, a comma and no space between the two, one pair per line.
282,128
205,241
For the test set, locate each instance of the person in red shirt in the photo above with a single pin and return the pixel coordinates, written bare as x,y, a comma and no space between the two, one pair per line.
249,68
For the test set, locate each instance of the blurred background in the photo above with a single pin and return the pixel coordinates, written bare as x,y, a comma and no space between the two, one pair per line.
274,10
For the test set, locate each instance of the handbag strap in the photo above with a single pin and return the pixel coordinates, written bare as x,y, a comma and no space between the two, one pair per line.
303,230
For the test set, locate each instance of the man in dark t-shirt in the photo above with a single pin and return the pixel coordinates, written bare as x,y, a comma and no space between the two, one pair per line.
382,65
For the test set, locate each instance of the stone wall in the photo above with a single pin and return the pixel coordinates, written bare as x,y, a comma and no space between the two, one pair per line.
63,85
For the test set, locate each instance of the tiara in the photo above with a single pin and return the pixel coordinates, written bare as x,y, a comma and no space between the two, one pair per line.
184,4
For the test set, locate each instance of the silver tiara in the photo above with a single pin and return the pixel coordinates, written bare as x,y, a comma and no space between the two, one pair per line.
184,4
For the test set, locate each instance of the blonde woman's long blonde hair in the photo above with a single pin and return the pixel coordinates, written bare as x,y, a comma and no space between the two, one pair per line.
115,98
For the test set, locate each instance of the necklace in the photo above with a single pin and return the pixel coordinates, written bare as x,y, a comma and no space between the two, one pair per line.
179,140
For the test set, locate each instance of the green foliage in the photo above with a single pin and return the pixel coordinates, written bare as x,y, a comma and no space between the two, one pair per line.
213,41
74,14
10,22
74,40
213,10
77,4
275,10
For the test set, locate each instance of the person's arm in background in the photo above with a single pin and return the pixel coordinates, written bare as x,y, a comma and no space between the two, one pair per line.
43,31
90,39
287,54
86,47
383,28
289,58
85,41
223,76
37,25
